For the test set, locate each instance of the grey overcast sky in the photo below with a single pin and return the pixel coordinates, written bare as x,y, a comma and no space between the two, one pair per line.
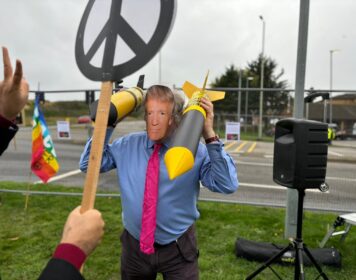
207,34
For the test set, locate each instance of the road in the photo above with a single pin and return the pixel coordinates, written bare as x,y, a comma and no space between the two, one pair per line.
254,161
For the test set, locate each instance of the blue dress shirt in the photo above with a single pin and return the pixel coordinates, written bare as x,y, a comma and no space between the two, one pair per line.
177,200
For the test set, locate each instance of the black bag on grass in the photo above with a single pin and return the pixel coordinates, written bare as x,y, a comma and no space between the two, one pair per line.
262,252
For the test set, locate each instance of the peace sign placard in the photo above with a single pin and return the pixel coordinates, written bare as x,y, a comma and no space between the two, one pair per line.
118,37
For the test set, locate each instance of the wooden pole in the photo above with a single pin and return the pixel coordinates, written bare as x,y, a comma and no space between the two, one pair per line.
96,152
28,190
14,141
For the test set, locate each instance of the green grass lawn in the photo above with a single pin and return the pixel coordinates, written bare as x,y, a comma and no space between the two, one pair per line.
28,238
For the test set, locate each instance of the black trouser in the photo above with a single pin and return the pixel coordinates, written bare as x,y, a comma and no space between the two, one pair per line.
176,261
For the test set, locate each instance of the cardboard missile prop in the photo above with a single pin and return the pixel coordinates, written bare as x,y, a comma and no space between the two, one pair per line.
122,103
180,157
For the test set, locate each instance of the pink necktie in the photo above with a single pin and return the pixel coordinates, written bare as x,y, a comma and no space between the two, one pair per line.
149,208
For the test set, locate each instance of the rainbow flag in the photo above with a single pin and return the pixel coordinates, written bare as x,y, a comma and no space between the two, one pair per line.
44,160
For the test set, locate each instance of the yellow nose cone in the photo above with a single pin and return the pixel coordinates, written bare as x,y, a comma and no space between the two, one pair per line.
178,160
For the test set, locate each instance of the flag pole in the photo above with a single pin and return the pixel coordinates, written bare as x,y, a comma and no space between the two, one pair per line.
14,142
28,191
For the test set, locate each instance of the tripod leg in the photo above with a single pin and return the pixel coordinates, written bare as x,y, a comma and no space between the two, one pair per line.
269,262
316,265
299,264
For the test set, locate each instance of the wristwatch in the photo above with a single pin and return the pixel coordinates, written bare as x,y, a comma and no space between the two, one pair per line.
212,139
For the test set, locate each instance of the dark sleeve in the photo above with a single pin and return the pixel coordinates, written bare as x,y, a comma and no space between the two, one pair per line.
7,132
58,269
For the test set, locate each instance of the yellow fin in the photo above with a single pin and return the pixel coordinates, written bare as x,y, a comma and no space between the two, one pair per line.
215,95
189,89
205,81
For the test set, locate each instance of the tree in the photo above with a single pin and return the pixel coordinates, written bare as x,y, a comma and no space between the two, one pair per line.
229,79
275,102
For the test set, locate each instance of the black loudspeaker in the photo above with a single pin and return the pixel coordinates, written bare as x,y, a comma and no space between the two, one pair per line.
300,153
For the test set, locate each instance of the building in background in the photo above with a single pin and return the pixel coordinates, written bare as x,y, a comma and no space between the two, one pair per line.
344,112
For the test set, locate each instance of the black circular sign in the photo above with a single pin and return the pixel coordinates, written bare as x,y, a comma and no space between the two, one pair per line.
114,26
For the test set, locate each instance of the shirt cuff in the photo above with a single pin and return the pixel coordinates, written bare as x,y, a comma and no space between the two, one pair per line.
70,253
5,123
215,149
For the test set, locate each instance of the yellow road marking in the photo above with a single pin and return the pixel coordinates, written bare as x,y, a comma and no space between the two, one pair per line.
252,147
229,145
240,147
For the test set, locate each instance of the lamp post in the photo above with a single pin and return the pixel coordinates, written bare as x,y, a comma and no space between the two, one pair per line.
331,84
246,101
239,97
159,68
262,77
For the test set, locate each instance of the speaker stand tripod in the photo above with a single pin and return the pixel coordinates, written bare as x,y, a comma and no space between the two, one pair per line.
298,246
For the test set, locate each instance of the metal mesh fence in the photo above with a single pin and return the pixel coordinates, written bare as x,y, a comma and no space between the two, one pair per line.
254,161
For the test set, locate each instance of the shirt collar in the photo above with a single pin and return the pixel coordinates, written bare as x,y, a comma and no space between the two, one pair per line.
166,143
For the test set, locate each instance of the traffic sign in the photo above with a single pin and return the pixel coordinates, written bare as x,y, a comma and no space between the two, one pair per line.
116,38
